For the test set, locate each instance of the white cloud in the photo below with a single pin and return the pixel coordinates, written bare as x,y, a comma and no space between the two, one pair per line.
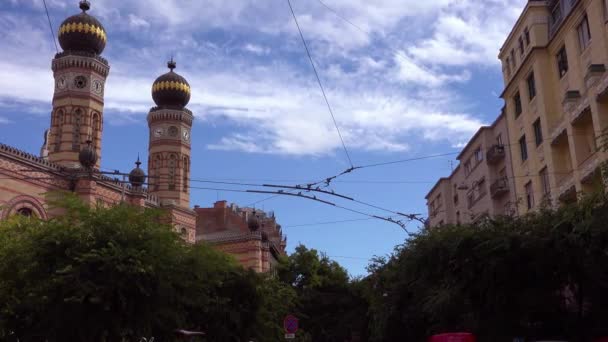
138,22
410,72
4,120
256,49
387,84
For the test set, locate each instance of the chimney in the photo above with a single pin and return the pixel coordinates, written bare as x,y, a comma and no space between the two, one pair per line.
220,204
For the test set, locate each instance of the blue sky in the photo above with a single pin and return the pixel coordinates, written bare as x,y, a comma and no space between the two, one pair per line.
413,78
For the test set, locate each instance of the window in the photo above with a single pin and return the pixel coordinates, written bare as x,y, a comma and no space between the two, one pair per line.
508,63
27,212
521,46
517,103
523,148
531,86
470,199
584,34
172,166
544,182
478,155
529,195
513,58
455,194
527,36
562,62
481,188
538,132
502,174
467,168
458,217
499,140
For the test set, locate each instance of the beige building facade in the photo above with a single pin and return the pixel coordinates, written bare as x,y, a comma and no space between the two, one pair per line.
554,67
556,109
481,185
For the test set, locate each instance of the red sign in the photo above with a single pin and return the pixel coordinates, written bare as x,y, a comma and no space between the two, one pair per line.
290,324
453,337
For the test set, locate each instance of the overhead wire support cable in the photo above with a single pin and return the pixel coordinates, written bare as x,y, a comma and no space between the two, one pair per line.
50,26
297,187
331,112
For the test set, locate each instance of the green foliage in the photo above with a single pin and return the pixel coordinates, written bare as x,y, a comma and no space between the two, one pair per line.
117,273
540,276
328,306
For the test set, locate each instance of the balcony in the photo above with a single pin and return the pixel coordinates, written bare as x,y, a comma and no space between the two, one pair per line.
495,154
566,189
589,167
499,188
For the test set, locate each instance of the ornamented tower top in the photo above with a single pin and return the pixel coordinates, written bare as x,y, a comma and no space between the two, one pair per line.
80,74
170,124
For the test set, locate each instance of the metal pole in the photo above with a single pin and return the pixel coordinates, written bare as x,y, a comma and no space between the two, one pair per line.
124,184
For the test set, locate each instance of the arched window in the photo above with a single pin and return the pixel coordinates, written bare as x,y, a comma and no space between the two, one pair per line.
158,164
27,212
78,117
96,128
184,232
186,173
172,166
59,119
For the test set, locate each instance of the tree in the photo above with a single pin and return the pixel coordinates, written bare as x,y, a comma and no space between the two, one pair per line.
108,274
328,306
540,276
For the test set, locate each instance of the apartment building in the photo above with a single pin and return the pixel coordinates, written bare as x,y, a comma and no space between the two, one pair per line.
481,185
556,94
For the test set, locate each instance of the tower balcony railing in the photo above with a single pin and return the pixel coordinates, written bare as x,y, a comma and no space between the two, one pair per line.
495,154
499,187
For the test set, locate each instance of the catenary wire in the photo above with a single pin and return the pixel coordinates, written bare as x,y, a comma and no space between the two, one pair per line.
50,26
320,83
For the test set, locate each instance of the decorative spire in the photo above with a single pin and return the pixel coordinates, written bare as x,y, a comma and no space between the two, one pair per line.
85,5
171,64
138,163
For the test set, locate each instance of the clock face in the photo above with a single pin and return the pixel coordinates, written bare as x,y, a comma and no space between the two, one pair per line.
61,83
80,82
173,131
158,132
97,87
186,135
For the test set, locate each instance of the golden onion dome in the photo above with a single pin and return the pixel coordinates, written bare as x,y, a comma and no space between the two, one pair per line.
171,90
82,32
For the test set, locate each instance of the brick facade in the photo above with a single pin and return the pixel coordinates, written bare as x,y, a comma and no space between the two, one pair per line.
76,124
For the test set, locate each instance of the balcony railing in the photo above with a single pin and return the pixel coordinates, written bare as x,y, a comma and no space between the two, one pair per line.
495,154
565,184
588,167
499,188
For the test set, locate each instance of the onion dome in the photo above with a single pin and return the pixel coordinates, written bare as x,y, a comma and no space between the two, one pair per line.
137,176
82,32
87,156
253,223
171,90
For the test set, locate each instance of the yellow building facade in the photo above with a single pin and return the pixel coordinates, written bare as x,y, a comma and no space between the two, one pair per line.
556,107
556,110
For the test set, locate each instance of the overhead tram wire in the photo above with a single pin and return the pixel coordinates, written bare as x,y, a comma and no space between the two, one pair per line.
320,83
50,26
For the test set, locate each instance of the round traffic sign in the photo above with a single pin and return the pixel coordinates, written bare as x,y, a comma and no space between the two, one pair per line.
290,324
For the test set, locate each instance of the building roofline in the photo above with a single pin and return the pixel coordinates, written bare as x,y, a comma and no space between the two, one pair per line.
530,3
435,186
470,142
